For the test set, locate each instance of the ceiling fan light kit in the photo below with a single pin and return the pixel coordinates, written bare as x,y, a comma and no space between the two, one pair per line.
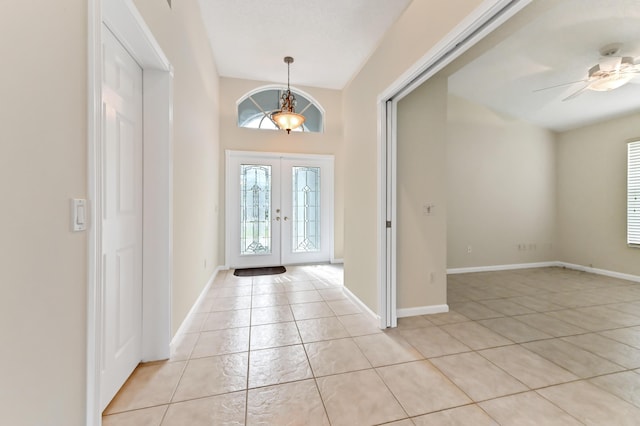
287,118
611,72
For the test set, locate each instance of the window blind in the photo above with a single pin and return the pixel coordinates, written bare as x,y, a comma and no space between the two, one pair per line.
633,194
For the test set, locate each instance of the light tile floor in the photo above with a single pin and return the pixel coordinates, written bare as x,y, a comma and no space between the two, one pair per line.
529,347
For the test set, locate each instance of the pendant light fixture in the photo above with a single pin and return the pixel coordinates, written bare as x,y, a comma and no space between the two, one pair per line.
286,118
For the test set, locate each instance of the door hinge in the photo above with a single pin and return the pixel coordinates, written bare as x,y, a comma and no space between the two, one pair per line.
388,224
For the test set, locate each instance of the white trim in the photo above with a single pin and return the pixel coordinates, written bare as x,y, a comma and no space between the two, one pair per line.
125,22
337,261
287,155
422,310
484,19
556,263
393,209
381,240
94,132
491,268
605,272
158,214
227,210
196,305
361,304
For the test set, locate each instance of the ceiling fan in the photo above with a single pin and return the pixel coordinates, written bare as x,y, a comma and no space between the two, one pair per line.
611,72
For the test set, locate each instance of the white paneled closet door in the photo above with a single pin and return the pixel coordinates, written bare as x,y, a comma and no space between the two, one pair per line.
121,216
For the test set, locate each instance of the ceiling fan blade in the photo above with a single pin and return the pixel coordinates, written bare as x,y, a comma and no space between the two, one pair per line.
634,70
576,94
561,85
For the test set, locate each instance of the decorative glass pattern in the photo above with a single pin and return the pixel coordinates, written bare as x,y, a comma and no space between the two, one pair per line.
255,207
254,111
306,210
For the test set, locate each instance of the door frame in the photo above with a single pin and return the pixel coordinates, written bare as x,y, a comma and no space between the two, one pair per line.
279,155
125,22
485,18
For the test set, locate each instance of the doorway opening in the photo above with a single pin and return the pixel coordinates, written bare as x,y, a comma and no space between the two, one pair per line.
485,19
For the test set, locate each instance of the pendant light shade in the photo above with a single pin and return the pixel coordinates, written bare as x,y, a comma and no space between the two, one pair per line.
287,118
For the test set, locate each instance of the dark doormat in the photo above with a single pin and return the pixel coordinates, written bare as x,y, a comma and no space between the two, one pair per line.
253,272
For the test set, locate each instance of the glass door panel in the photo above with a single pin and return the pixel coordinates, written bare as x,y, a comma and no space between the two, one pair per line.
307,195
305,220
255,209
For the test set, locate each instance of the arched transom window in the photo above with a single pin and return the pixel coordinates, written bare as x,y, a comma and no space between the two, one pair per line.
255,109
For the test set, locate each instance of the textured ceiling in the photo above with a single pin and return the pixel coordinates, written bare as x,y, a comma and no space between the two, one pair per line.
557,46
329,39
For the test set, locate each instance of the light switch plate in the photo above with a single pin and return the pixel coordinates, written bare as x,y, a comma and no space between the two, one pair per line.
79,214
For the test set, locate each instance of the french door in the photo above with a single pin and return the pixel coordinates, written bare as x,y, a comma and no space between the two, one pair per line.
279,209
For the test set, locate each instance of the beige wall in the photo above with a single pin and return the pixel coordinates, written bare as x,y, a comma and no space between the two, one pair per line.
501,182
592,195
330,142
196,148
421,179
423,24
43,163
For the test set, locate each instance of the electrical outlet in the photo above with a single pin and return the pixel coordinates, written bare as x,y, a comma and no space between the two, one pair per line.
428,209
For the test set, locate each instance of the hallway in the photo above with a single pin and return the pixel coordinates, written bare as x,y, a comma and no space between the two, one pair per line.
551,345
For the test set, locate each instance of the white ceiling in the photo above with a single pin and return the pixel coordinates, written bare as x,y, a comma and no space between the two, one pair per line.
558,46
329,39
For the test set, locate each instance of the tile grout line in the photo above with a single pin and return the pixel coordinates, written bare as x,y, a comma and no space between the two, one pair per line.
313,374
513,317
246,392
375,369
556,405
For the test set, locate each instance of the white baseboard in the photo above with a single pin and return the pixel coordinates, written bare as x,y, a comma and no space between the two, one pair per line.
197,303
361,304
612,274
337,261
501,267
421,310
605,272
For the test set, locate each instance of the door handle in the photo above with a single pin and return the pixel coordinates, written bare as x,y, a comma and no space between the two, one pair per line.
286,218
278,218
